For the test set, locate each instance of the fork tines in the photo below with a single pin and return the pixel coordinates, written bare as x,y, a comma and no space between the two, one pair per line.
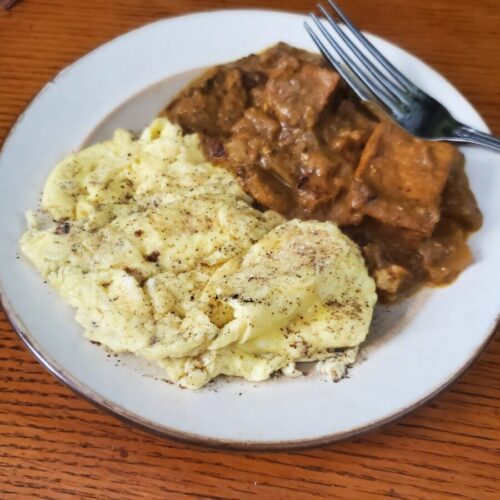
357,60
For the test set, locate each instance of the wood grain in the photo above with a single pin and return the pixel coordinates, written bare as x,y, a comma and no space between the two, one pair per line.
55,445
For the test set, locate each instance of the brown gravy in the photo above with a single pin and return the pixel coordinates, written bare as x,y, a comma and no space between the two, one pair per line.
301,143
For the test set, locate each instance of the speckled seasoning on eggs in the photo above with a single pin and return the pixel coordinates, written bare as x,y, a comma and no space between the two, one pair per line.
162,255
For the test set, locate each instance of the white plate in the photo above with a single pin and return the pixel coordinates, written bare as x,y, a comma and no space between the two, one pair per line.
415,349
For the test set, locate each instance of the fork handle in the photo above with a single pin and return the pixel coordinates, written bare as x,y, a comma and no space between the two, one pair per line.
466,134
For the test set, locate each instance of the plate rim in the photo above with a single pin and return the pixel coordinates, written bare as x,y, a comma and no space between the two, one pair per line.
144,424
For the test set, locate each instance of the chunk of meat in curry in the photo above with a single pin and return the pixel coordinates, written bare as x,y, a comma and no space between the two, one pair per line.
301,143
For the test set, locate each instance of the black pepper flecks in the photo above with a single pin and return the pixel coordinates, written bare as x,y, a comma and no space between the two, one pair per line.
63,227
153,256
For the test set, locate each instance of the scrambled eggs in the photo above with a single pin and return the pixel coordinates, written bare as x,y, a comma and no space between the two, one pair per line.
162,255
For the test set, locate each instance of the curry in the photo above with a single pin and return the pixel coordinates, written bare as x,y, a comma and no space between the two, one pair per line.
301,143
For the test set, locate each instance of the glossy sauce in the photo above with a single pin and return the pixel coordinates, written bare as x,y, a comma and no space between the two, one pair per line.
302,144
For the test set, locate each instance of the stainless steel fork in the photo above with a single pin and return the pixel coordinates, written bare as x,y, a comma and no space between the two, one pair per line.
376,81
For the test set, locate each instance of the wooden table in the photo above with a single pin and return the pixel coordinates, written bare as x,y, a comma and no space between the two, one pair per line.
55,445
